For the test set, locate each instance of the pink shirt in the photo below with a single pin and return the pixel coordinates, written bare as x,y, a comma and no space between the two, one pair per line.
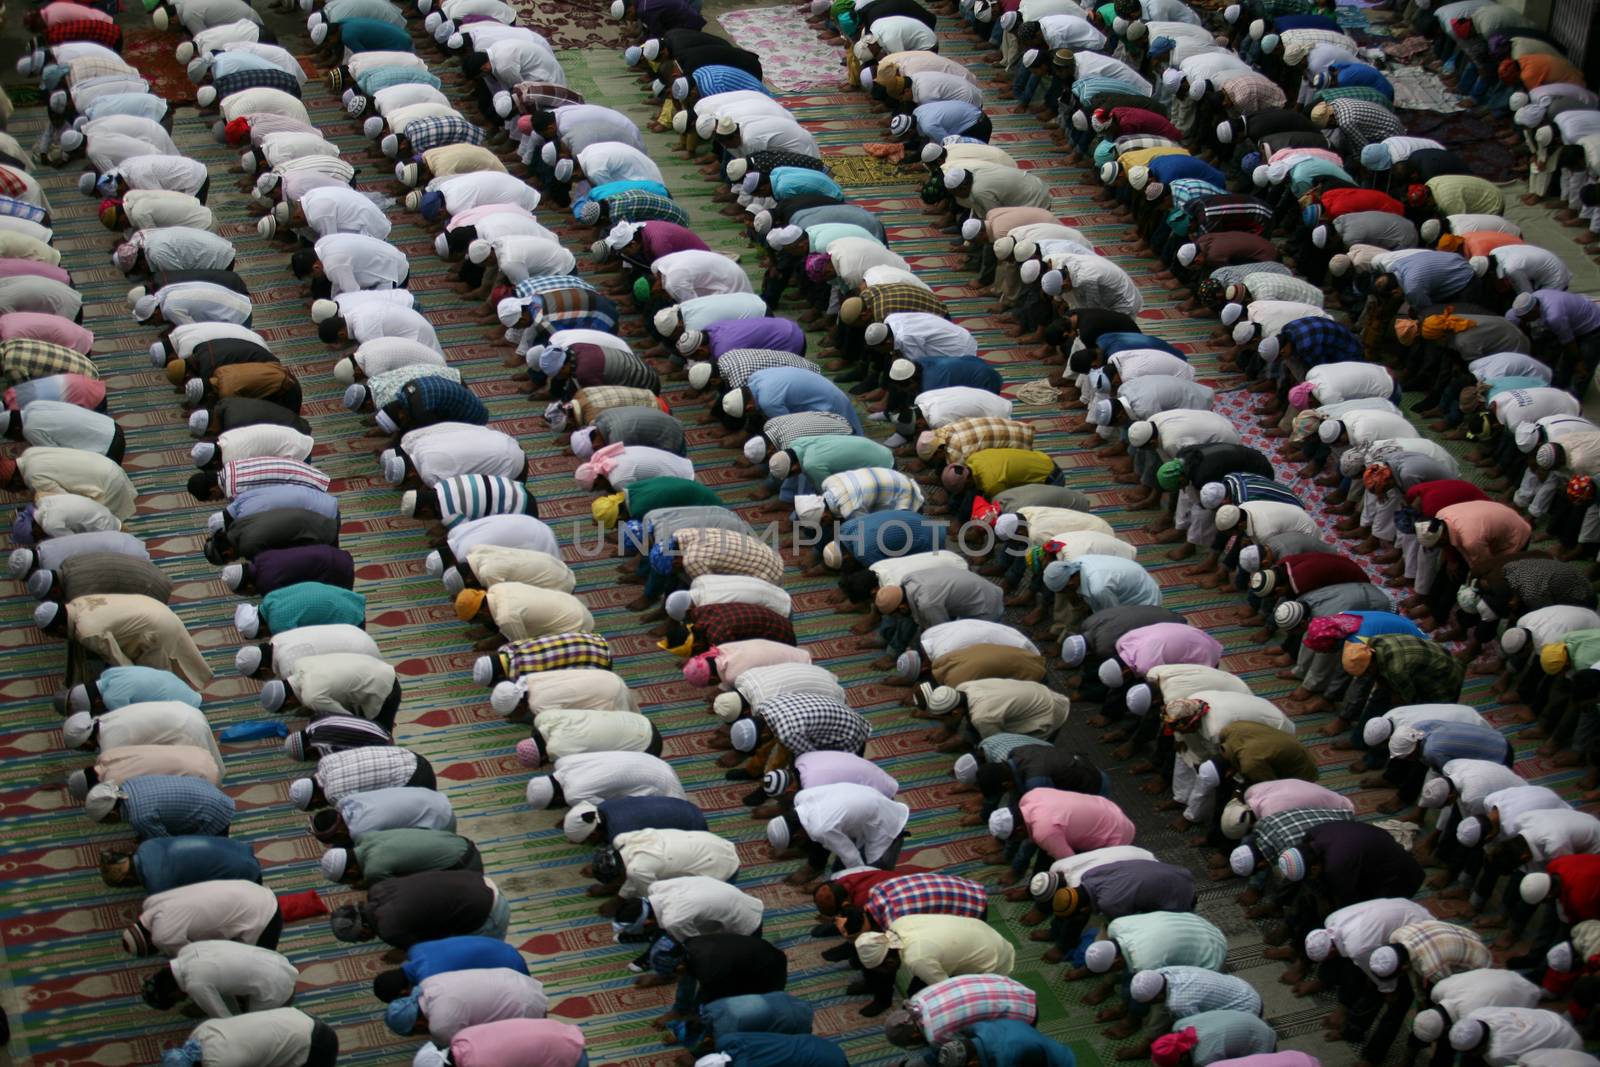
52,14
831,768
517,1043
18,268
1064,824
736,657
1167,642
76,389
1269,798
43,327
1482,529
1287,1058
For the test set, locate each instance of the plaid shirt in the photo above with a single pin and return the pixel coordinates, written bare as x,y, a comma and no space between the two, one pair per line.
543,96
978,432
1274,286
434,399
996,748
166,805
1319,340
382,77
881,301
573,308
639,205
96,31
1364,122
1231,212
13,183
591,401
361,770
258,78
719,624
1278,833
554,652
851,493
1416,670
340,733
1243,488
541,284
21,209
241,475
708,81
1364,93
736,365
1191,990
926,894
813,722
785,430
1437,949
24,358
711,551
385,388
945,1008
436,131
473,496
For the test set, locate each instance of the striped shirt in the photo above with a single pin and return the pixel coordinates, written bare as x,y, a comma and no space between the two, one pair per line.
241,475
977,432
339,733
21,209
813,722
1185,191
554,652
1253,488
360,770
851,493
996,748
710,80
926,894
572,309
257,78
785,430
1165,938
945,1008
1230,212
435,131
711,551
735,367
473,496
164,805
432,399
1437,949
22,358
1191,990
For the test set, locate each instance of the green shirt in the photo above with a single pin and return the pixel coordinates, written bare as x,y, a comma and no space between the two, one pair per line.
1168,939
393,853
1465,194
649,494
312,604
1583,646
823,457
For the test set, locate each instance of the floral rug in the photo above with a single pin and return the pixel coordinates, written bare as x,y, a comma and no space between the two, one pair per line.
792,58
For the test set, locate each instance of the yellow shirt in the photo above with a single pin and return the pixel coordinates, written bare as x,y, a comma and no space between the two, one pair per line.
936,947
994,470
128,630
48,471
461,159
525,611
494,564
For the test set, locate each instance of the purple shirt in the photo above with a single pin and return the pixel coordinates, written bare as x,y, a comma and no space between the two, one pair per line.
278,567
657,239
831,768
1566,315
1167,642
783,335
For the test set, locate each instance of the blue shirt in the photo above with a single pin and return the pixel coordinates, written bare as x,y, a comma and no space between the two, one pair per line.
789,390
766,1013
1112,343
782,1050
1444,741
120,686
1007,1042
370,35
166,805
1374,623
797,181
465,953
945,118
720,79
622,815
1167,169
164,863
880,535
1359,74
396,807
272,497
1430,278
942,372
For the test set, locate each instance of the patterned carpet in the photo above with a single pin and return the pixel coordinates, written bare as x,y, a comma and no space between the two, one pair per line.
73,997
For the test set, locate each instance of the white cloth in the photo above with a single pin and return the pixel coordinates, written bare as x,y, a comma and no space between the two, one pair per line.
856,823
218,975
597,776
341,209
353,261
449,449
695,905
947,637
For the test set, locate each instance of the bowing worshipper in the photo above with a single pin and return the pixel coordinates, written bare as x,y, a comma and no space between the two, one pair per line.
222,980
603,823
150,171
348,262
35,292
333,733
167,722
675,909
117,687
45,470
509,1042
1429,744
988,472
633,862
649,427
1010,764
1111,889
977,709
224,910
1151,941
336,683
1461,996
115,766
275,528
1056,825
517,660
277,1037
906,894
160,806
560,732
444,450
1184,992
355,318
1219,1036
359,770
56,424
25,360
1417,957
442,1005
51,552
123,630
446,955
513,611
160,864
580,359
1268,819
140,209
1504,1034
1145,648
274,569
592,777
98,573
236,412
901,611
1572,321
1342,862
375,810
930,948
784,726
717,966
174,248
1340,949
1093,583
779,391
855,824
1290,577
996,1042
426,906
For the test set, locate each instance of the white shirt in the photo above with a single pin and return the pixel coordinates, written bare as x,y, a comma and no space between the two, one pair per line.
1475,780
737,105
1514,407
1359,929
263,439
1178,681
455,1000
1411,714
340,209
595,776
450,449
694,905
506,531
382,354
895,570
856,823
759,684
1463,224
1502,365
203,302
277,1038
1371,424
739,589
1073,868
1529,267
520,60
281,147
521,258
1070,31
570,731
695,272
1273,315
1559,833
579,687
902,33
184,338
165,207
184,248
581,125
512,222
1462,994
947,637
1177,430
1513,1031
919,334
483,187
292,646
354,261
1097,282
216,975
1548,625
1094,65
940,407
1150,362
612,161
230,909
60,514
1264,518
156,722
770,132
365,321
649,856
392,98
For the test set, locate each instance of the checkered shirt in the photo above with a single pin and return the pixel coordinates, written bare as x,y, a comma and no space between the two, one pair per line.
573,309
361,770
926,894
1249,93
434,399
897,298
1416,670
241,475
997,748
1364,93
1230,212
945,1008
1364,122
1191,990
543,96
24,358
1278,833
541,284
1319,340
719,624
639,205
1439,949
21,209
711,551
812,722
785,430
1244,488
736,365
591,401
166,805
340,733
13,183
978,432
385,388
1274,286
382,77
851,493
554,652
258,78
473,496
708,81
436,131
96,31
770,159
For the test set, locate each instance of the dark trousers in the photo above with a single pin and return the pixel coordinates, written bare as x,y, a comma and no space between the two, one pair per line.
423,777
324,1045
271,933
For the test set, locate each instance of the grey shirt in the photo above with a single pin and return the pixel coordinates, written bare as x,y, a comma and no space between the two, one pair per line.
940,594
648,427
1043,496
1380,228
